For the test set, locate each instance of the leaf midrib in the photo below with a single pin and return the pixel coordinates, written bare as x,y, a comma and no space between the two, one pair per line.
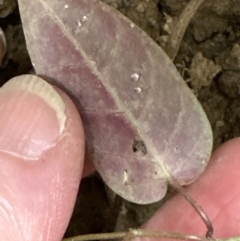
116,99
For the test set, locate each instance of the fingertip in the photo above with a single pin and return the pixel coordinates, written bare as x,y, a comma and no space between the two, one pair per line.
216,191
38,188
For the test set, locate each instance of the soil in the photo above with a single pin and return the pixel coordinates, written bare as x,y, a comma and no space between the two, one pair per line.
208,60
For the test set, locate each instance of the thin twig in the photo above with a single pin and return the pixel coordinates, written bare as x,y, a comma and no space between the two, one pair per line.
3,45
101,236
138,233
195,205
180,28
133,233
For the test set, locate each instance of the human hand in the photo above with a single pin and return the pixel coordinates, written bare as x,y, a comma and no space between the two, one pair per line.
41,159
216,191
41,170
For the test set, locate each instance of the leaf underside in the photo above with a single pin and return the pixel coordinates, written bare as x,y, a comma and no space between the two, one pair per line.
142,123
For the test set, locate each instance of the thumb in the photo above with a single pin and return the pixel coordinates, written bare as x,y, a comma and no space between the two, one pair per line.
41,159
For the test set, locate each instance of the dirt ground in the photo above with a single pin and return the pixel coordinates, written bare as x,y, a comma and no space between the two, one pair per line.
208,60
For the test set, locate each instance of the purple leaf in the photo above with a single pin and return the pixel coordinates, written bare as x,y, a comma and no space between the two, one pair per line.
143,124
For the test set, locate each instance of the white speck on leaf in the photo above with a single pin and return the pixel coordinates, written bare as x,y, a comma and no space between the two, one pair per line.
137,90
79,24
125,177
135,76
84,18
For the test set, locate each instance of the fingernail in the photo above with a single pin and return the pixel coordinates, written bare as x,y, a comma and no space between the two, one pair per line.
32,117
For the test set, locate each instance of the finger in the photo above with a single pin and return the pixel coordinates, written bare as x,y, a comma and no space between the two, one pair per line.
41,158
217,192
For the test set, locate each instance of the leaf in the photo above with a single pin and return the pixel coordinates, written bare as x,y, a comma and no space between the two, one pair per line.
143,124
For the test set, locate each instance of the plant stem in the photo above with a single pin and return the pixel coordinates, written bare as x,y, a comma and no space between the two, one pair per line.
195,205
133,233
3,45
101,236
180,28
